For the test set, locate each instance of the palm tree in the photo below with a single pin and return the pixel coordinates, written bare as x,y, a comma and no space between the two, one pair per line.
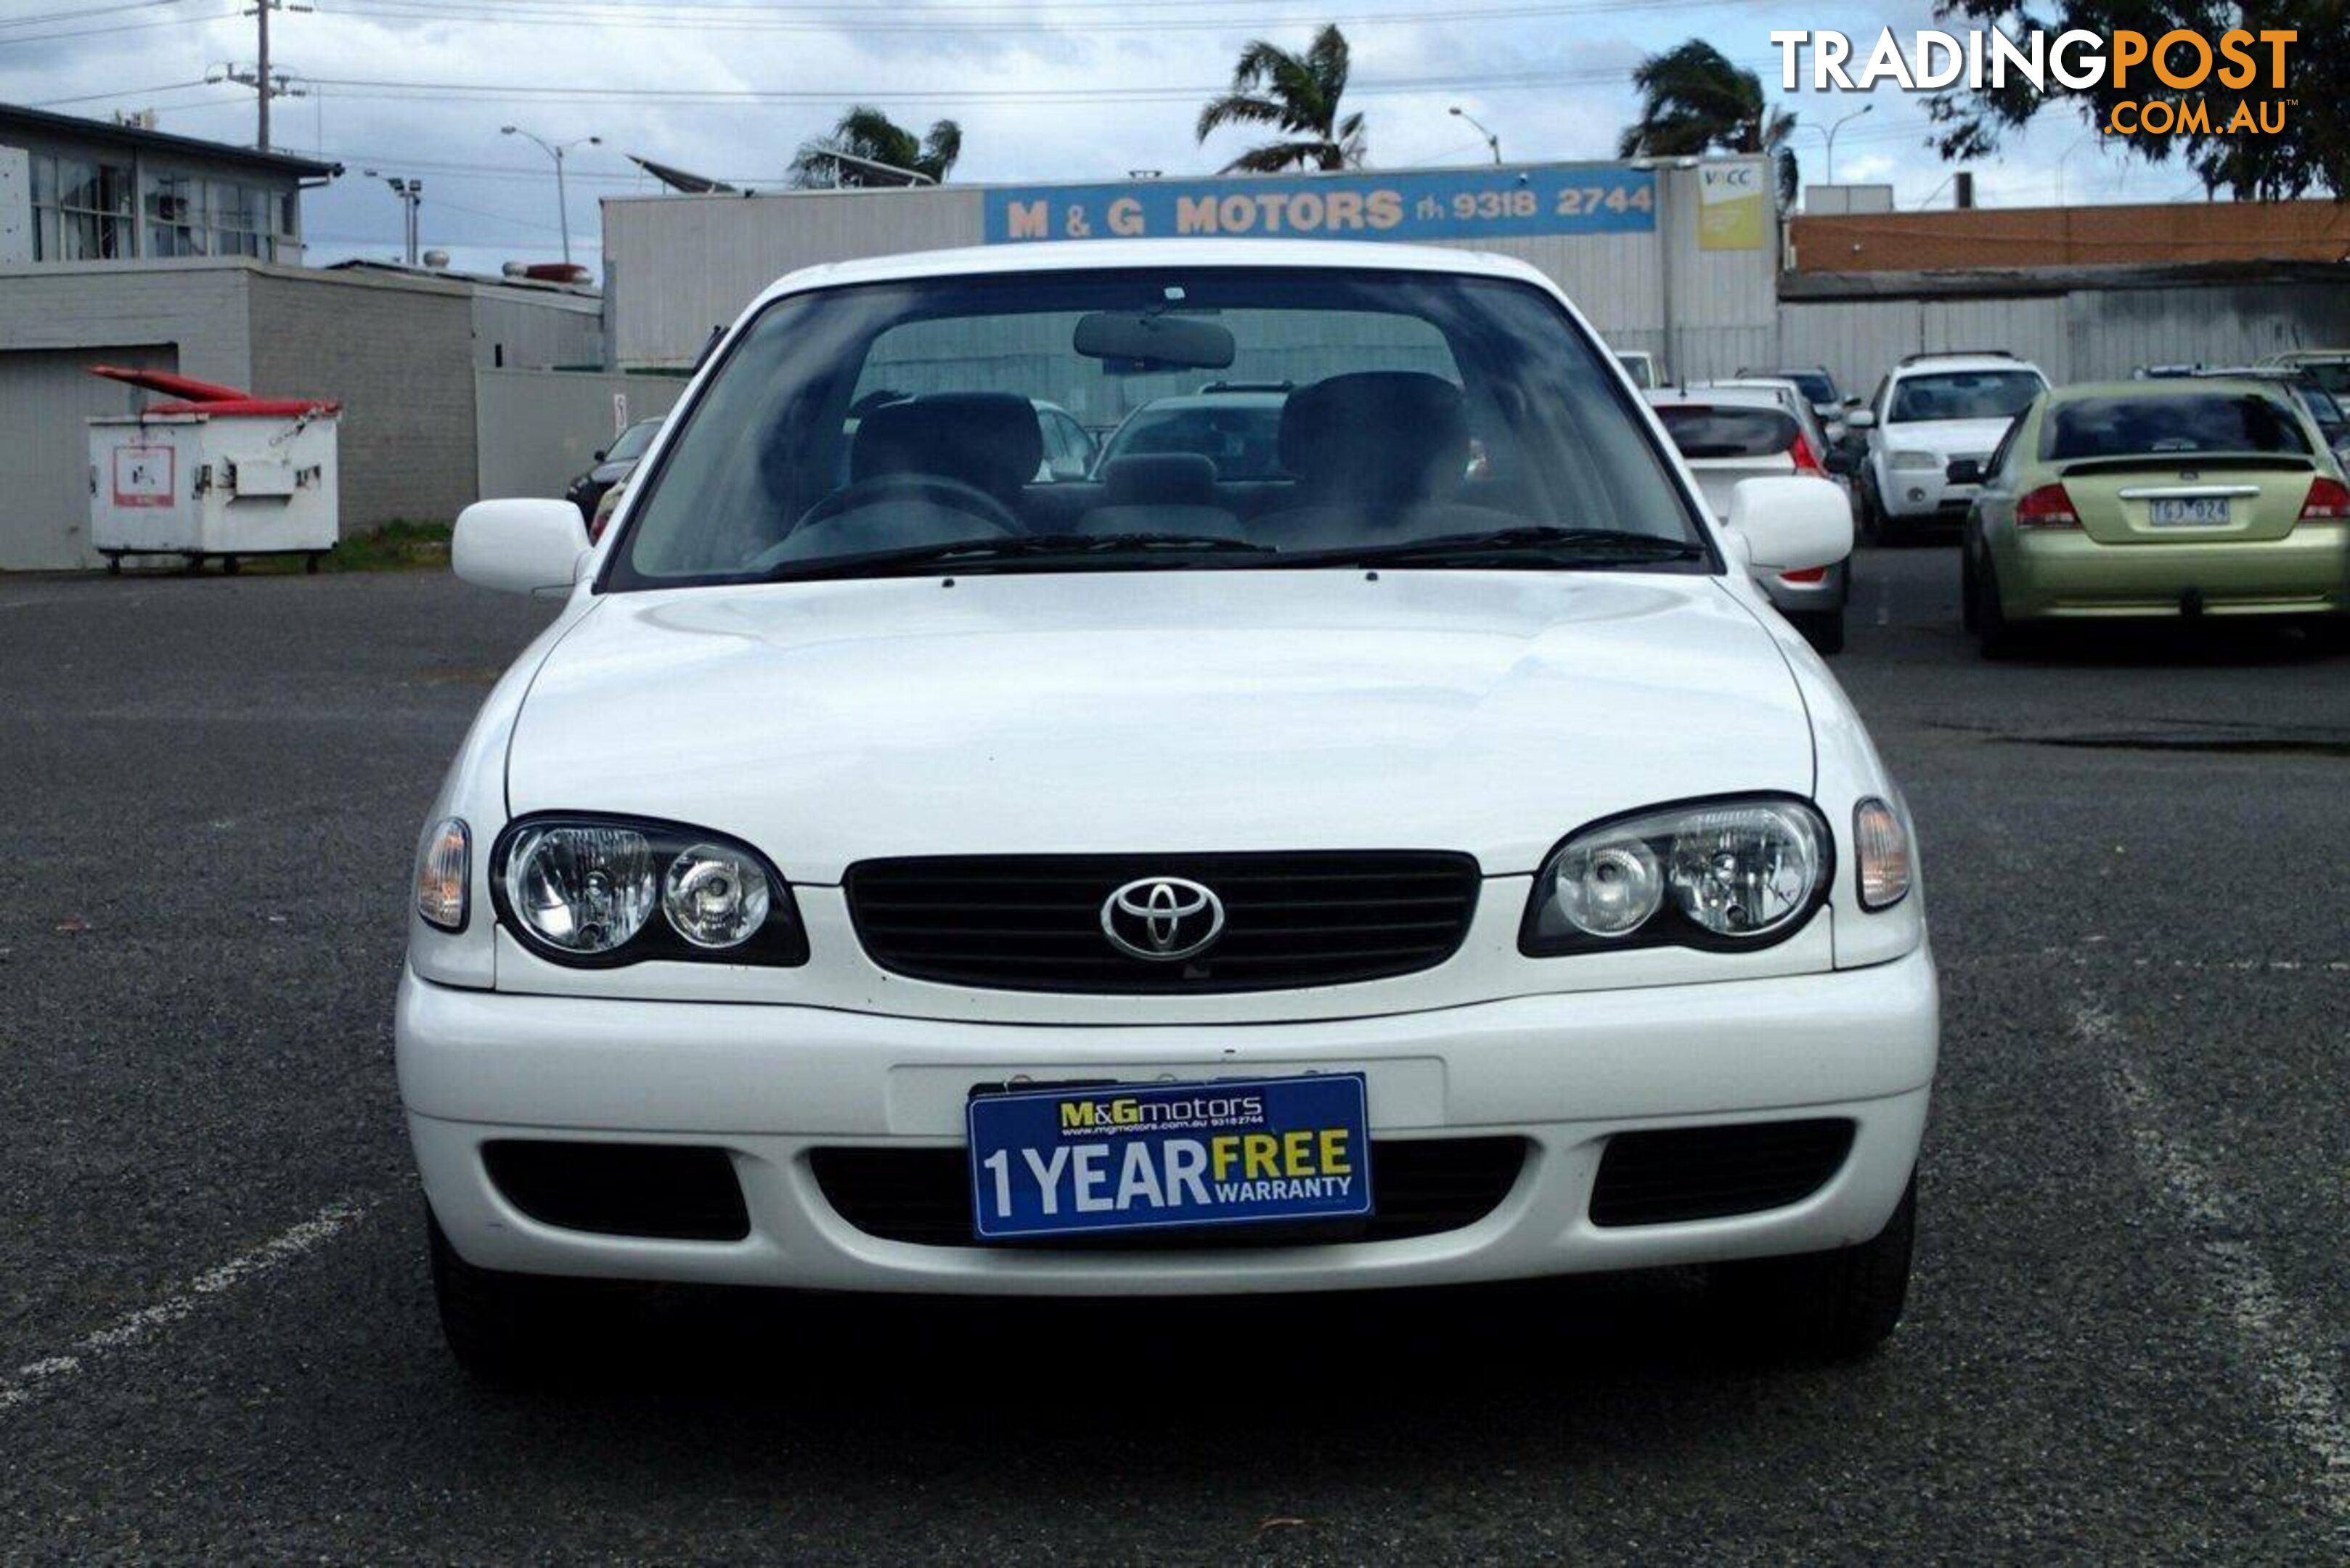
1695,100
1298,93
864,137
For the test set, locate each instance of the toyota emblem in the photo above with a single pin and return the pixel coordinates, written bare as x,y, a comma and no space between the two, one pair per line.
1162,919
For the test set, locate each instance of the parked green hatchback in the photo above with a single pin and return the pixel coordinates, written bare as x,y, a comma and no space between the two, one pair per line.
2152,500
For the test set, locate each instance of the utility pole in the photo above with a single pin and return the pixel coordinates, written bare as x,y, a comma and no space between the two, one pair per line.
267,85
261,9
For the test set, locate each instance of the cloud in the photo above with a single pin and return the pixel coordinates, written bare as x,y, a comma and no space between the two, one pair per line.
1554,86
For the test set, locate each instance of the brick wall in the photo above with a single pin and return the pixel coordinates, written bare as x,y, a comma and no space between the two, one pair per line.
398,354
1987,237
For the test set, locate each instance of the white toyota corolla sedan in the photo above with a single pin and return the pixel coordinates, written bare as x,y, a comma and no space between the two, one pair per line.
895,870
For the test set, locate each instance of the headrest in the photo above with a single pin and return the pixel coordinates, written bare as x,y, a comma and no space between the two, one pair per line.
986,439
1388,435
1160,479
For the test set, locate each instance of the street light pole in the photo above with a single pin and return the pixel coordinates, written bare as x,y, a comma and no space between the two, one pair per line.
1830,133
555,149
1491,141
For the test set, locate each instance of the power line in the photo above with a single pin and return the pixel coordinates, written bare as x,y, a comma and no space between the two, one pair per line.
117,94
528,11
119,27
83,13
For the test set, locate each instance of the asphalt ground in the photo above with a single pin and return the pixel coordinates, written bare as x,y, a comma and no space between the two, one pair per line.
2129,1335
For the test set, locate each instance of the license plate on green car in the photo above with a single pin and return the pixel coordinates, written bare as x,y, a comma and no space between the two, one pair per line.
2201,511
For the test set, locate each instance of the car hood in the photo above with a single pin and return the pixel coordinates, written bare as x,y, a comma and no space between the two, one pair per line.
1947,438
1486,712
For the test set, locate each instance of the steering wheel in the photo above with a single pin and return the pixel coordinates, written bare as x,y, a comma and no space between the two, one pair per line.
952,494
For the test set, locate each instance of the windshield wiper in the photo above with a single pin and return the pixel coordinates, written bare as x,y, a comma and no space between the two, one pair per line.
1093,549
1533,546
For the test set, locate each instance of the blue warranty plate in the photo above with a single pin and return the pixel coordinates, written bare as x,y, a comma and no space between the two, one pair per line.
1144,1157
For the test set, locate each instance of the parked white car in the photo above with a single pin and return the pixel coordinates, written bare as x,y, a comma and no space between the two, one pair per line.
1731,431
1930,411
1420,877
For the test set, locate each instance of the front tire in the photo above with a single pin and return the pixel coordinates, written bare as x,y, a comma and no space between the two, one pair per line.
1834,1306
499,1327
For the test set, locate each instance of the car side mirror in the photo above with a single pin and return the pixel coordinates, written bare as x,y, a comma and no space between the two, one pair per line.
520,545
1860,419
1792,523
598,456
1963,471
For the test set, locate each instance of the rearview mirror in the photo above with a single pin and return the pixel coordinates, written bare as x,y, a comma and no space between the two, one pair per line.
1859,419
1791,523
1172,341
1963,471
519,545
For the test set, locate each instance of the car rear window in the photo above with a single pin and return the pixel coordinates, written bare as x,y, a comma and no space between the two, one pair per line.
1704,430
2192,423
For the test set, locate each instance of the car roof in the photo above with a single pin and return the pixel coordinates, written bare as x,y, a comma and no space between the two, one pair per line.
1940,364
1101,255
1715,397
2167,387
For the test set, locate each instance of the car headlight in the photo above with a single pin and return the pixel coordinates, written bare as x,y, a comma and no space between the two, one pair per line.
1915,460
1728,874
602,891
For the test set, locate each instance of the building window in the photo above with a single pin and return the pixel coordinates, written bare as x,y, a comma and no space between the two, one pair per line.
81,210
175,217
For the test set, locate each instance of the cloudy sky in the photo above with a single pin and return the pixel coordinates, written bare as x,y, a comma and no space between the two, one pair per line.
1088,88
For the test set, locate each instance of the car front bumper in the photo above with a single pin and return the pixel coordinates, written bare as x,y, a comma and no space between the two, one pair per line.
768,1085
2064,574
1923,495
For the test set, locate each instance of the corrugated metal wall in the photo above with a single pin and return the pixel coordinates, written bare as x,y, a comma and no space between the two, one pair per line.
536,429
675,266
2085,334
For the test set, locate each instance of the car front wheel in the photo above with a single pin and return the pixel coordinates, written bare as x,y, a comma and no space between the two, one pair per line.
1837,1305
500,1326
1824,629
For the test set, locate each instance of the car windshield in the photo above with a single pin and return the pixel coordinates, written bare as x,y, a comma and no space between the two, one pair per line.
1241,436
1704,430
2191,423
1963,395
869,428
1817,386
633,442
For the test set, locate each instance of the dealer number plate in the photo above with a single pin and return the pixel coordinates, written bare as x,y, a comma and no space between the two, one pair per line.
2205,511
1139,1157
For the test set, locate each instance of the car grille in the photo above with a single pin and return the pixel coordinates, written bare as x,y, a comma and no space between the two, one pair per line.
1419,1186
1706,1173
1034,922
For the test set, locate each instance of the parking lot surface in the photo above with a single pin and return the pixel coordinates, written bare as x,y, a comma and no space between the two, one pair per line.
2129,1335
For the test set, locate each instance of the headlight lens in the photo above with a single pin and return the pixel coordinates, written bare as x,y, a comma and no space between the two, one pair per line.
603,891
714,897
1915,460
582,889
444,873
1725,874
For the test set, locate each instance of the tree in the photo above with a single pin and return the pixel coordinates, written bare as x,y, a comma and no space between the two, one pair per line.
2311,153
1297,93
1694,100
866,134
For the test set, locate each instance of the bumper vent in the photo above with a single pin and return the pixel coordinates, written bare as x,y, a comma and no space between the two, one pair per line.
666,1191
1707,1173
1034,922
1421,1187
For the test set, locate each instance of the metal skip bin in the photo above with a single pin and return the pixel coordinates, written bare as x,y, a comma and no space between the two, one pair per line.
212,472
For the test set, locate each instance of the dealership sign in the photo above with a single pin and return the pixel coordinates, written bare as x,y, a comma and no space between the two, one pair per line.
1495,203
